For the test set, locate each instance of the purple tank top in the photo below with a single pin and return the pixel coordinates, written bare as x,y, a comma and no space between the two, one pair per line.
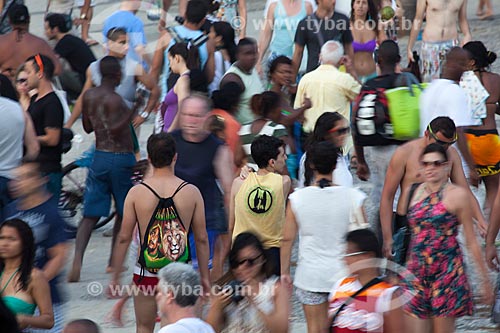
369,46
169,109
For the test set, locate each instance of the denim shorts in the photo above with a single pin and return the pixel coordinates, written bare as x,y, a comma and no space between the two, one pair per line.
212,237
109,174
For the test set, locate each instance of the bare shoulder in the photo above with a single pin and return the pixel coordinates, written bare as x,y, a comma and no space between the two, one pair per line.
190,192
37,277
457,194
286,180
403,152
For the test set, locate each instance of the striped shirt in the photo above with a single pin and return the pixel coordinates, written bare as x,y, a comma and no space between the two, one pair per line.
246,136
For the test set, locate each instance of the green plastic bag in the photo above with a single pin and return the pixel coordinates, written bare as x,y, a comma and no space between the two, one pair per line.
403,104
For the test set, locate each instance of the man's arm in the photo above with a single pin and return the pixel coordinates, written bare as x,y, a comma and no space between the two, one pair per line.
77,109
491,250
457,177
287,186
87,124
464,24
30,141
201,240
242,12
394,176
124,236
209,69
415,29
464,149
57,260
150,84
298,52
231,77
223,166
237,182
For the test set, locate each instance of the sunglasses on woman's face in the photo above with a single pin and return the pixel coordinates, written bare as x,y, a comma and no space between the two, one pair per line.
340,131
250,261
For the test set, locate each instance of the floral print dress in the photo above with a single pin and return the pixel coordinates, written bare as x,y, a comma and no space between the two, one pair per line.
436,277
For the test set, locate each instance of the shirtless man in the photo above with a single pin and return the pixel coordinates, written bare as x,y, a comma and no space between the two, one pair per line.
404,170
140,205
106,114
19,44
440,33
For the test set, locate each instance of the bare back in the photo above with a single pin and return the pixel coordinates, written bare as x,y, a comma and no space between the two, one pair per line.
491,82
17,46
145,201
109,118
442,20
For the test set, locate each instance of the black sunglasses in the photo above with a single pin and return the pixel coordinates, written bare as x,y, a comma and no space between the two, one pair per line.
250,261
21,80
433,163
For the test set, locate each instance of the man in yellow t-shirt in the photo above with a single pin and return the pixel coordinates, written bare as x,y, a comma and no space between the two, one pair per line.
258,202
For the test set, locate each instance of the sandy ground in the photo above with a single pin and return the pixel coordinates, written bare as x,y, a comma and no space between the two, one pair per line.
85,299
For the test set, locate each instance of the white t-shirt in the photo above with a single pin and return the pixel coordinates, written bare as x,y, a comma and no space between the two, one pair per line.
324,216
188,325
340,176
444,98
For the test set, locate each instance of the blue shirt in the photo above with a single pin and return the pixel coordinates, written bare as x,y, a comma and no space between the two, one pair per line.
48,230
133,25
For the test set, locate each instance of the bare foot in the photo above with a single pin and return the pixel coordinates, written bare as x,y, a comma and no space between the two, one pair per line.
115,315
74,274
488,15
110,269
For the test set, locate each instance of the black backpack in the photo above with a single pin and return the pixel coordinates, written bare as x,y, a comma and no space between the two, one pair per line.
166,239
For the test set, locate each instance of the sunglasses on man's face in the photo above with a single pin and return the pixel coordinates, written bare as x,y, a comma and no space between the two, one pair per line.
441,142
250,262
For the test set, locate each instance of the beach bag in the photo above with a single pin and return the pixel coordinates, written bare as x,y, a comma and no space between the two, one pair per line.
403,105
166,239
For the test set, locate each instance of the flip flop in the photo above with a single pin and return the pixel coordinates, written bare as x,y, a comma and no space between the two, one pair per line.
91,42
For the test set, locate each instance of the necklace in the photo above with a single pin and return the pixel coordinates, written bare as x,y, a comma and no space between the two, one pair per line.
8,281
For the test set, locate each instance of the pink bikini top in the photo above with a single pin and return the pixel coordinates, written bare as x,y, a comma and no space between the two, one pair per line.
369,46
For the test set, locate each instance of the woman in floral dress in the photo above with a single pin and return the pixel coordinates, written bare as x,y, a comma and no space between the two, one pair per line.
436,276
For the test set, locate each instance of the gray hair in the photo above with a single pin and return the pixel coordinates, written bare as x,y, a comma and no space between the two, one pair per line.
181,280
331,53
207,103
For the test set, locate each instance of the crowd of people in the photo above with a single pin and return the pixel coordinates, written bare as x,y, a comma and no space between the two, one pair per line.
255,148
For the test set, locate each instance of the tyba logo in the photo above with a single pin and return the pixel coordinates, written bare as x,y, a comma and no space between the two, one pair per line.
260,200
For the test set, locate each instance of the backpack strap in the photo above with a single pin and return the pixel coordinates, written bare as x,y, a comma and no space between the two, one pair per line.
181,186
351,298
151,189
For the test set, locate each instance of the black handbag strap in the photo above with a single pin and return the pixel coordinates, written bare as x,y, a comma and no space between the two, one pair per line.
412,192
351,298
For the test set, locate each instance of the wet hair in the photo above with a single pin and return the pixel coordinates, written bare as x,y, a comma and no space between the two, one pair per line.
322,156
226,31
244,240
189,53
325,122
263,104
114,33
280,60
445,125
245,42
482,57
265,148
227,97
59,21
388,53
48,65
86,325
435,148
161,149
371,15
366,241
27,248
196,11
109,67
7,90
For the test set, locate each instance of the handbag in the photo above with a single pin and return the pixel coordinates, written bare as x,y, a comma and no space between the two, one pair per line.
401,237
403,105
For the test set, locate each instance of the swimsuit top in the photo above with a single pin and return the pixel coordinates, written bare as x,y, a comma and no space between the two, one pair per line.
369,46
18,306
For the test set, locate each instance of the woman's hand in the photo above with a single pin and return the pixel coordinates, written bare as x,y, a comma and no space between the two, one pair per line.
492,257
487,292
307,104
21,321
387,248
245,171
222,298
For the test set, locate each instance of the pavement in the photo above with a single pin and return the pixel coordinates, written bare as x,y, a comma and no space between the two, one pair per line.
86,298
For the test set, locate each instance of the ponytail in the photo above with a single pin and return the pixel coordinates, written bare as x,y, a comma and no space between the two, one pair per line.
263,104
188,52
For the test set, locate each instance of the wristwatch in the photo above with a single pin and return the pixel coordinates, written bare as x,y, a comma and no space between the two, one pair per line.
83,16
144,114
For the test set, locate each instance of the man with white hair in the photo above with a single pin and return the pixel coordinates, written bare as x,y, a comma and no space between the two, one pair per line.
328,88
178,292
